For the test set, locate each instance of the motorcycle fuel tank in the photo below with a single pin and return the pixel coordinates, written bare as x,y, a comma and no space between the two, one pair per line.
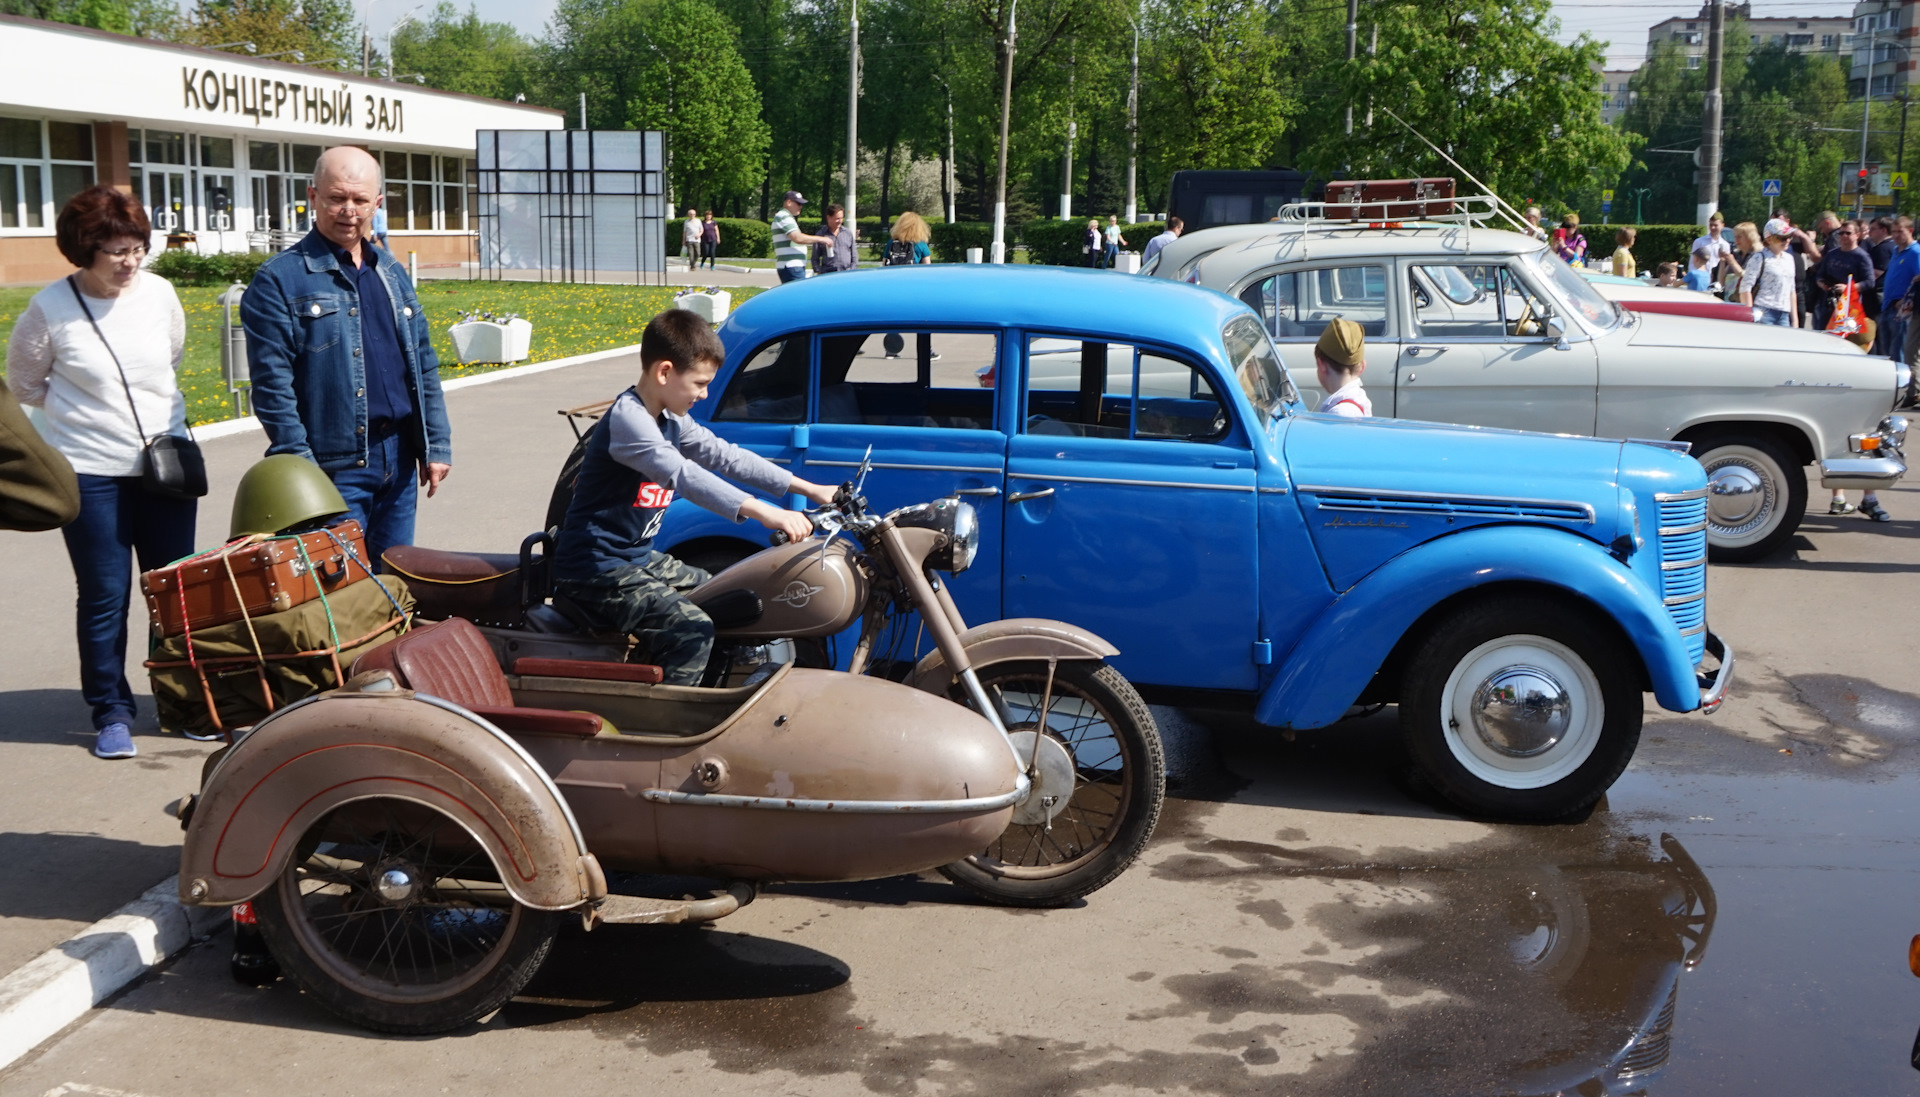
794,590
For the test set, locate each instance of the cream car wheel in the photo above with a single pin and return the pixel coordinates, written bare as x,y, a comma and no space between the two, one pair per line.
1522,712
1756,496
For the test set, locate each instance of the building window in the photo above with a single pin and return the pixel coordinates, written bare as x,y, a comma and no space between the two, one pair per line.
1829,41
42,165
1693,62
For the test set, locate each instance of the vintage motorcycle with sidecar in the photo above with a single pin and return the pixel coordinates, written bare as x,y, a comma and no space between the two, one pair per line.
1086,740
410,843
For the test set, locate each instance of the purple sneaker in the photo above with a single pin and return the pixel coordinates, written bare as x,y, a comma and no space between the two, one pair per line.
114,741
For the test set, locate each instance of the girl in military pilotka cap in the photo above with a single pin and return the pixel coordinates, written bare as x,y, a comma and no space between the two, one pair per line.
1340,357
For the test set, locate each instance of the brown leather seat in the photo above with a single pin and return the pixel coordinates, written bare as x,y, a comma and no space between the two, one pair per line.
480,586
452,661
438,566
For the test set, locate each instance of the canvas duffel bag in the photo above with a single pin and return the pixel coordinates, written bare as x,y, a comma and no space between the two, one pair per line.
232,675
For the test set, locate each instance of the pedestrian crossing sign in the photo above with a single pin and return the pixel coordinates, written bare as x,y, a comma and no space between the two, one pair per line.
1897,180
1769,188
1606,196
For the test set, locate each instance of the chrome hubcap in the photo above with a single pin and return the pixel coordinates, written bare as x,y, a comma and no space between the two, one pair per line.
395,885
1521,711
1052,776
1737,494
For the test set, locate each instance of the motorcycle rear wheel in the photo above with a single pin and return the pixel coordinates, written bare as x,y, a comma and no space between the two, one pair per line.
443,946
1120,778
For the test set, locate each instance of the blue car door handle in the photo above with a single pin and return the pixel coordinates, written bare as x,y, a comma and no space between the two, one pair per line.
1023,496
976,491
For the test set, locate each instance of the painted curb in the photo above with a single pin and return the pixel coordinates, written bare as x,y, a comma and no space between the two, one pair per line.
58,987
227,428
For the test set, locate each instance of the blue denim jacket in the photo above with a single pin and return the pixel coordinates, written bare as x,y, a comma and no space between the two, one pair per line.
304,349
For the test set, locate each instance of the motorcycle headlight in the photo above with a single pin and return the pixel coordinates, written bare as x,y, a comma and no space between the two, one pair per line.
958,525
966,537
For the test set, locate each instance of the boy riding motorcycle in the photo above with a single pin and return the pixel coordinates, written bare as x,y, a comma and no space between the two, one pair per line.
643,453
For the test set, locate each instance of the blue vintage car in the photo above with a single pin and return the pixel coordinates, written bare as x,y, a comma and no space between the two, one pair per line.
1143,468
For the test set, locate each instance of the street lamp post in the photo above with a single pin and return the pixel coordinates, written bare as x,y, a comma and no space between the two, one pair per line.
1006,118
1133,130
1639,195
853,111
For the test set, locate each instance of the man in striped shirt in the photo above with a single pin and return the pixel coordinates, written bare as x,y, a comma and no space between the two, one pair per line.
789,243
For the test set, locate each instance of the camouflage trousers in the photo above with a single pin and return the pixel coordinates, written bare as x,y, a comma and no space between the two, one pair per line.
649,602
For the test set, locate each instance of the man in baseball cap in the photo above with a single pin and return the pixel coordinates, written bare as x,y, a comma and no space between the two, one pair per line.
789,243
1339,358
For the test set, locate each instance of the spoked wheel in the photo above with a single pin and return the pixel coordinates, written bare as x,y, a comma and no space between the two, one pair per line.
1098,773
394,918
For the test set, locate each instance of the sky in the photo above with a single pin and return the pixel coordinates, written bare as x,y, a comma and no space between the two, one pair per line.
1623,23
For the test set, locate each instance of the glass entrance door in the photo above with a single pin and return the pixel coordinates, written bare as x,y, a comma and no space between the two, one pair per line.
169,202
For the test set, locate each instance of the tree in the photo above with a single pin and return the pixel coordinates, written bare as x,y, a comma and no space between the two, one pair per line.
147,18
1482,79
322,30
1211,99
460,52
670,65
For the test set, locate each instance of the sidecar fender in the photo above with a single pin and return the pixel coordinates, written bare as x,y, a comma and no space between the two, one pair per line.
309,758
1011,639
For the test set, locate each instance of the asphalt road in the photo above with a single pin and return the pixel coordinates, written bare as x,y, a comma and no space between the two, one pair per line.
1306,921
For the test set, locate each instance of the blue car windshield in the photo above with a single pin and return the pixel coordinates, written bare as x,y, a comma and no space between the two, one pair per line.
1257,365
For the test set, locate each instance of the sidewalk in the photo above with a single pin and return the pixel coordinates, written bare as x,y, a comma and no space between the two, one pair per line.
724,274
79,836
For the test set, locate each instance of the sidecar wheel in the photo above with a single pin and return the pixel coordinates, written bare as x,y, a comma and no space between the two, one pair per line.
392,917
1120,777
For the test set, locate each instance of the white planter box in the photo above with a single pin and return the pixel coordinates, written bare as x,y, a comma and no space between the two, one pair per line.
711,306
490,341
1127,262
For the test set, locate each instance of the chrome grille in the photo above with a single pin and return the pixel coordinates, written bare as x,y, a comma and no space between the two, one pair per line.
1683,565
1651,1049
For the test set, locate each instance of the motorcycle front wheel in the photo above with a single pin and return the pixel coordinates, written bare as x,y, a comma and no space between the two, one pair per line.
391,916
1118,778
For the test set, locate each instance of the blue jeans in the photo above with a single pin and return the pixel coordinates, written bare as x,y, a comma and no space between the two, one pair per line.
118,521
790,274
1894,343
383,496
1779,318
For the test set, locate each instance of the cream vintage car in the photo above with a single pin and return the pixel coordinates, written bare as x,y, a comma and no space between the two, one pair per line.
1470,324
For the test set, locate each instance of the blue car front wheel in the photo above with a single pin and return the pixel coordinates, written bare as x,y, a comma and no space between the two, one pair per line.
1522,708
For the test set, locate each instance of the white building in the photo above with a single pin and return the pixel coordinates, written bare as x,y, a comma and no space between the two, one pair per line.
1883,45
218,145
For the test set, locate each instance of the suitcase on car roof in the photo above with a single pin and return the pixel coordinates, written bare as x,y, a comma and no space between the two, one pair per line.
1389,199
253,578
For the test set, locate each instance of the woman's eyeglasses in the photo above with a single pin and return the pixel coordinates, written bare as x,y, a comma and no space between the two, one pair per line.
138,251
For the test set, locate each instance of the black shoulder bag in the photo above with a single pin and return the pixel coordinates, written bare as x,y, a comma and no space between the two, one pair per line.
171,466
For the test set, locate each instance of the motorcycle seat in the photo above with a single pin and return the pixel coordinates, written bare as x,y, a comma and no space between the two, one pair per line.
440,566
451,660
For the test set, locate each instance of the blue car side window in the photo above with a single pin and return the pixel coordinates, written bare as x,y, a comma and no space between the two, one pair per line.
771,387
1092,389
908,379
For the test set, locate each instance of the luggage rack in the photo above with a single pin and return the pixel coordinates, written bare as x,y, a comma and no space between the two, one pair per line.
1401,204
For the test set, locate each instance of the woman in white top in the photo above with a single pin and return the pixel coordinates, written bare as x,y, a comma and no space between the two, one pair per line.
94,386
1767,283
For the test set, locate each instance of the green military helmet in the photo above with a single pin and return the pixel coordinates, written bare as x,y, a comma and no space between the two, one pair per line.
282,492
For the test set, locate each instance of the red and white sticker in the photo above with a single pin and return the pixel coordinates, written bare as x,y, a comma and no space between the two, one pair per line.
653,495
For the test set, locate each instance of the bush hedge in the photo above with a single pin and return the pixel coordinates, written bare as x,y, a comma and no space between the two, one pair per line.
951,241
1058,242
1654,244
188,268
741,238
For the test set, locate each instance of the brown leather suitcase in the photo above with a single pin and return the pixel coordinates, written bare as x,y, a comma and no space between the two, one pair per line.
1389,199
269,576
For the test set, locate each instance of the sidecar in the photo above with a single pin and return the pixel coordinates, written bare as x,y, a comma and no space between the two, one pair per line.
410,842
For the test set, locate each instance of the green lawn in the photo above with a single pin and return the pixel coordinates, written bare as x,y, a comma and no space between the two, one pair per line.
567,320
